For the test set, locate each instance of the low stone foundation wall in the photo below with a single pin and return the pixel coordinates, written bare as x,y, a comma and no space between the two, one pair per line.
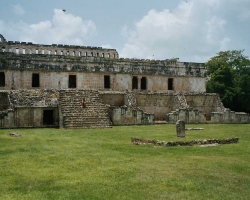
128,115
138,141
188,115
230,117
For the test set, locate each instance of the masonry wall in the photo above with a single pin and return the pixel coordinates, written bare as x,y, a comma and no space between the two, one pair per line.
159,104
28,117
55,49
54,71
127,115
229,117
60,80
113,98
205,102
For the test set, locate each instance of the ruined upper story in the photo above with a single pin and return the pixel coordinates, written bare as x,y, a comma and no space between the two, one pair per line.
55,49
65,58
28,66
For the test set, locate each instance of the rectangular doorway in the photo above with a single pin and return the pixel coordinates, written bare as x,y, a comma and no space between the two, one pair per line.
134,82
170,84
2,79
48,117
35,80
106,82
72,81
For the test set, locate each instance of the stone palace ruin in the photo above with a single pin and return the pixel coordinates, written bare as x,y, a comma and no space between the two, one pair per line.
71,86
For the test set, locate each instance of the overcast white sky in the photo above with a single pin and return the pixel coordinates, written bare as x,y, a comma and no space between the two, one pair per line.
192,30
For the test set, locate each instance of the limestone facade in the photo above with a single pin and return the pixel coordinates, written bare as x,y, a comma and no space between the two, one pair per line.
80,86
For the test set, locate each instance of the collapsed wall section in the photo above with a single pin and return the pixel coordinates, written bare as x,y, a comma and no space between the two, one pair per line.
30,108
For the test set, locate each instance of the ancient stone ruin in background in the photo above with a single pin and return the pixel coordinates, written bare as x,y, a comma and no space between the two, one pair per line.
90,87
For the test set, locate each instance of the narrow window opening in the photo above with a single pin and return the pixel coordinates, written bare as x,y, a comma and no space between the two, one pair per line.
108,55
17,51
170,84
36,51
23,51
97,54
55,52
72,81
86,53
2,79
61,52
48,117
107,82
3,49
74,54
92,54
114,55
49,52
80,53
67,53
102,55
30,51
143,83
42,51
134,82
35,80
10,50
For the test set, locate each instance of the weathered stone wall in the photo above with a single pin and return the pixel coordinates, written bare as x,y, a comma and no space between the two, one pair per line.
161,104
205,102
54,71
27,117
113,98
158,103
26,108
189,116
208,142
60,80
127,115
55,49
34,98
230,117
4,101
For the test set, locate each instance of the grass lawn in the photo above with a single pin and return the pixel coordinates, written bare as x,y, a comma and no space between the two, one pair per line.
103,164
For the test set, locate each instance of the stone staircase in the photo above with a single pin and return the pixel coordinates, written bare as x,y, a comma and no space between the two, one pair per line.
82,109
219,105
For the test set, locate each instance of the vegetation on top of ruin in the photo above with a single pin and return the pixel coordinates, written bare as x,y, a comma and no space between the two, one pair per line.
3,61
228,73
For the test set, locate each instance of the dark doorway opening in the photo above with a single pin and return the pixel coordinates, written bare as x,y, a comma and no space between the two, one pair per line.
72,81
170,84
2,79
143,83
134,82
107,82
35,80
48,117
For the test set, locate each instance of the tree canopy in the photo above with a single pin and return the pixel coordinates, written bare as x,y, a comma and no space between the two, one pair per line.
228,73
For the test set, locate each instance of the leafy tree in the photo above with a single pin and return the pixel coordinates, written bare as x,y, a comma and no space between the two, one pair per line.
228,73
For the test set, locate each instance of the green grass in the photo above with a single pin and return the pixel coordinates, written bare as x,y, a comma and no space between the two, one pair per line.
103,164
